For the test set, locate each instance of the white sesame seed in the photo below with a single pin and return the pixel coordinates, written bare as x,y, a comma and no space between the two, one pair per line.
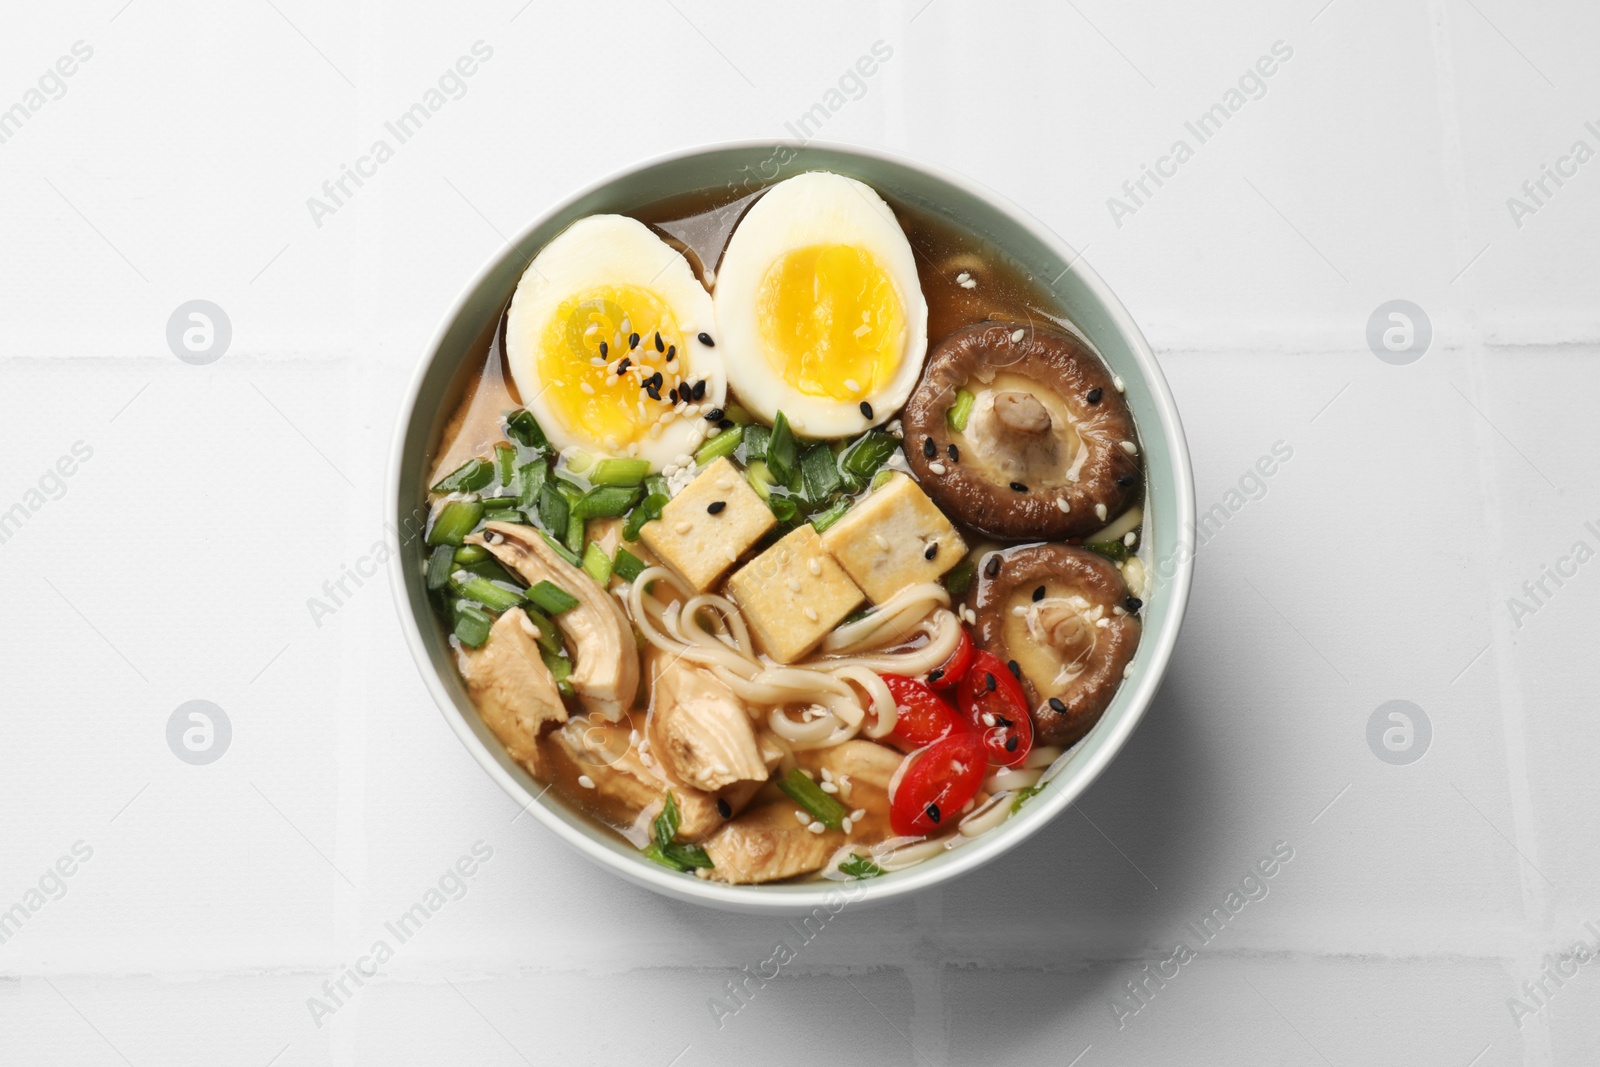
814,566
1102,623
963,277
1017,335
1129,538
988,719
852,385
881,541
1128,670
1100,512
1061,502
587,388
858,814
846,824
970,283
827,775
669,470
633,737
811,613
712,432
684,527
697,437
1130,448
828,787
725,483
585,781
1020,610
1117,381
936,468
794,587
802,816
733,557
816,828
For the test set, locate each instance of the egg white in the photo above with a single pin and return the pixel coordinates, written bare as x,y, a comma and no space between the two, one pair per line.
615,250
818,208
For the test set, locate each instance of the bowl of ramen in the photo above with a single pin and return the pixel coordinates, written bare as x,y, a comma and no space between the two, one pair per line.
784,525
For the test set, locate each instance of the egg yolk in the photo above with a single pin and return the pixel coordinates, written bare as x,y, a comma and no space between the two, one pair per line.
597,377
832,321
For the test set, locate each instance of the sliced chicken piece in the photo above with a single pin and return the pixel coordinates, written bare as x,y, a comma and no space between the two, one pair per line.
630,786
861,770
605,672
512,688
769,843
699,728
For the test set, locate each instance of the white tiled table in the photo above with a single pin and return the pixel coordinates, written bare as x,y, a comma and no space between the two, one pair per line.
1375,564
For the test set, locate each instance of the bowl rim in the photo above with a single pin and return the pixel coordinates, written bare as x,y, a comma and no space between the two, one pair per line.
798,897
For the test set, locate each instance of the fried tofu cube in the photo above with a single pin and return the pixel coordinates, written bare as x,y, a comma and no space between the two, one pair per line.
894,538
706,528
793,594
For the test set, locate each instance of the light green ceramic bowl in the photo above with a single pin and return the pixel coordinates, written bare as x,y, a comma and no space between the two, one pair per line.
1169,523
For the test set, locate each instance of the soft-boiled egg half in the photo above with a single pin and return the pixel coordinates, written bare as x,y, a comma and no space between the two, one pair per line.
819,308
603,342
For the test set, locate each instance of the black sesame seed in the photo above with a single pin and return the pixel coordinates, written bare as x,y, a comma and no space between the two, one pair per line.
1057,706
603,350
1125,480
623,365
699,390
724,809
931,551
659,346
1133,604
673,395
654,393
724,424
988,681
1011,743
1015,668
672,353
716,506
1019,487
1038,594
714,415
929,449
1094,395
992,568
953,453
866,410
705,339
1002,722
933,813
935,674
633,341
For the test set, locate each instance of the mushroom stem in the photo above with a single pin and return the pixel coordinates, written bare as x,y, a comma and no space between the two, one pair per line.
1021,413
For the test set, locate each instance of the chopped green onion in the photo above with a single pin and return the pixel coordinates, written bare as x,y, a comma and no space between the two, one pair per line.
809,795
496,598
882,478
492,513
560,668
736,414
596,563
471,476
530,480
523,427
756,440
454,521
724,444
578,461
782,453
820,470
1024,795
471,554
865,455
620,471
1115,551
551,598
859,867
655,485
574,538
831,514
759,477
784,508
441,565
505,461
549,637
959,580
648,510
606,502
488,568
960,411
472,624
553,509
677,857
665,825
626,565
561,550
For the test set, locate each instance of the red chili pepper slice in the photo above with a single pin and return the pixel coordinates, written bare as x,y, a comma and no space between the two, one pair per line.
991,699
938,785
947,674
924,716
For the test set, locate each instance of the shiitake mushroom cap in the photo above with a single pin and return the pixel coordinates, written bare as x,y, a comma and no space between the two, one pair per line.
1032,493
